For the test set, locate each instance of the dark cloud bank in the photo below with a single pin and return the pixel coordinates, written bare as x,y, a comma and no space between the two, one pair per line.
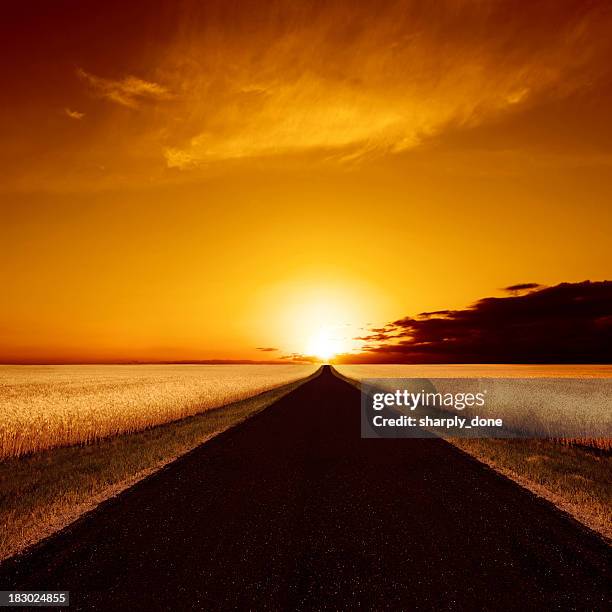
567,323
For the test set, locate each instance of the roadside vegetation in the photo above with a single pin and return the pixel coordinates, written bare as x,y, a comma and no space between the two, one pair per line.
533,401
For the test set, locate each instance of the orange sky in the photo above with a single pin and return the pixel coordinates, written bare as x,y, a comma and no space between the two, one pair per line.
183,180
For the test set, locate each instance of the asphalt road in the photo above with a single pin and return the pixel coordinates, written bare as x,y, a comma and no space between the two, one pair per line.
293,510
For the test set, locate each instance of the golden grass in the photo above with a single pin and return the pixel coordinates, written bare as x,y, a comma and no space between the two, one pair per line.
549,402
42,407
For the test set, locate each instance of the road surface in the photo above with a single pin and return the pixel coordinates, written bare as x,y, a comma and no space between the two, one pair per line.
293,510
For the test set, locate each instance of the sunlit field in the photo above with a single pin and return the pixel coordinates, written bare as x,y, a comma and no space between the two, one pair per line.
360,371
47,406
533,409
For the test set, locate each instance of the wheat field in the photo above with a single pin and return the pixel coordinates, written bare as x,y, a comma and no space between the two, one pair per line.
548,400
42,407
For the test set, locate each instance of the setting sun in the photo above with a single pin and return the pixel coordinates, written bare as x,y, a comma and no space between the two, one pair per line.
314,317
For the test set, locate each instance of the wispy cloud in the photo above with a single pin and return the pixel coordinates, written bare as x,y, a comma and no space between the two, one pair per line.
129,91
350,83
74,114
339,83
266,349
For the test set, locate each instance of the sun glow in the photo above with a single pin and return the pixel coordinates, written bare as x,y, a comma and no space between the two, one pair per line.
317,315
324,345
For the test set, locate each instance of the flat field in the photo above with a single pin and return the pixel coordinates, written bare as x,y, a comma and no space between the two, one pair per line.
574,400
42,407
460,370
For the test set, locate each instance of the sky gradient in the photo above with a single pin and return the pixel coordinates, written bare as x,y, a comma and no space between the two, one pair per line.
184,180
